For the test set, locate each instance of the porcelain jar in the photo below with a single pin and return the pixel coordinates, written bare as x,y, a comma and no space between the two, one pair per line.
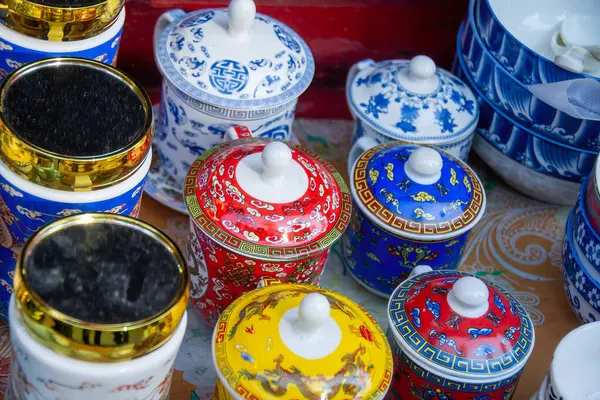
294,341
225,67
260,208
458,336
58,353
412,101
413,205
17,48
38,185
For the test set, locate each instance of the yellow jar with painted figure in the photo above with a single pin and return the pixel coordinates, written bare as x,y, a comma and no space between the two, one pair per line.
293,341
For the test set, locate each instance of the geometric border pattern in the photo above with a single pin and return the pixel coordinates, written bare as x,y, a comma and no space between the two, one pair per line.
396,221
174,76
252,249
519,352
442,382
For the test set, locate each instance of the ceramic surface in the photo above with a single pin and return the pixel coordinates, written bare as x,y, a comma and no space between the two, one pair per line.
256,62
526,180
506,93
592,198
583,291
459,148
411,100
25,207
260,208
529,148
273,340
415,191
519,34
39,373
187,128
17,49
412,381
585,236
379,260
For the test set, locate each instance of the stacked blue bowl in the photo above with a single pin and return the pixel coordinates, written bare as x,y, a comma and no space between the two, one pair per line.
503,48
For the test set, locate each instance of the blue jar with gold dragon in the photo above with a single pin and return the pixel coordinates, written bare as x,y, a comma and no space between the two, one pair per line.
413,205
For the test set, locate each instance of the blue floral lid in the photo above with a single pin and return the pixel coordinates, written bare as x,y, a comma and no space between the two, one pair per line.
412,100
416,191
234,58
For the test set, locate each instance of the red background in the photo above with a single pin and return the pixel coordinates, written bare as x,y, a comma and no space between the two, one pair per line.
339,33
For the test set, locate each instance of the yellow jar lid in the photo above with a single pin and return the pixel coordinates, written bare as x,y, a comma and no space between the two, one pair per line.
294,341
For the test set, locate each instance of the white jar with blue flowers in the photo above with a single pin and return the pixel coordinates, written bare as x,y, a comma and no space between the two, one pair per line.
221,68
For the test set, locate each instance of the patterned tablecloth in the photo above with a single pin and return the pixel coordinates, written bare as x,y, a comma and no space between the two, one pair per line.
517,244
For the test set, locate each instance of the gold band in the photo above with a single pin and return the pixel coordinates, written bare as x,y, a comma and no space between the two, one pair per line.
61,23
70,173
89,341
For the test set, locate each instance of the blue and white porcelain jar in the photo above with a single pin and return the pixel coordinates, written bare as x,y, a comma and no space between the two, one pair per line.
221,68
412,101
413,205
17,49
47,174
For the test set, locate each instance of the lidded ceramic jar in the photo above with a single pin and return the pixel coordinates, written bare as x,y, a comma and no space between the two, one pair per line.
294,341
260,208
75,137
225,67
413,205
458,336
99,311
414,101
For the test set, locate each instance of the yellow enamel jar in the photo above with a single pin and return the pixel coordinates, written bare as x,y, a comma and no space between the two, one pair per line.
293,341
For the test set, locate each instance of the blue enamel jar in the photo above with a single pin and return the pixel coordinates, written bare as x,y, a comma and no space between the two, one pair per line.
38,185
17,49
414,205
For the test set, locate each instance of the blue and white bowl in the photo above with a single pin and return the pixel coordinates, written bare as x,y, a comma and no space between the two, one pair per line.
586,238
532,149
518,35
508,94
582,282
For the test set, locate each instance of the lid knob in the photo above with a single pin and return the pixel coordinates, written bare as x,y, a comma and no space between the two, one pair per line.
241,15
276,157
420,76
313,313
424,166
469,297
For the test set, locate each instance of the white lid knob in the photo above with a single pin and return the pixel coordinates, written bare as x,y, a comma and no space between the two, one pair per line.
424,166
469,297
420,269
313,313
276,157
241,14
420,76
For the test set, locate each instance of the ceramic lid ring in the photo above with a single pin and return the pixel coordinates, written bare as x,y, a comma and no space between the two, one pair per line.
456,324
233,58
267,199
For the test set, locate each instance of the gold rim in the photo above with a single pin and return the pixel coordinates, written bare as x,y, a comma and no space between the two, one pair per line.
72,173
90,341
61,23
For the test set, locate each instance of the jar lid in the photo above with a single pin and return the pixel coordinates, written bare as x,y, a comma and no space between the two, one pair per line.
463,325
412,100
267,199
311,335
416,191
235,58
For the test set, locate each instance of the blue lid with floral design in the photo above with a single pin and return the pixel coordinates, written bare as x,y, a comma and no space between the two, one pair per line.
416,191
412,100
233,57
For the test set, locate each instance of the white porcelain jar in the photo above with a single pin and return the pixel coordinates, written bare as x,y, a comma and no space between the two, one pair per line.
225,67
412,101
118,348
39,185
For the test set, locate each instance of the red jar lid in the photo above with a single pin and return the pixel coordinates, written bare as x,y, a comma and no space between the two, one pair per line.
464,325
267,199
